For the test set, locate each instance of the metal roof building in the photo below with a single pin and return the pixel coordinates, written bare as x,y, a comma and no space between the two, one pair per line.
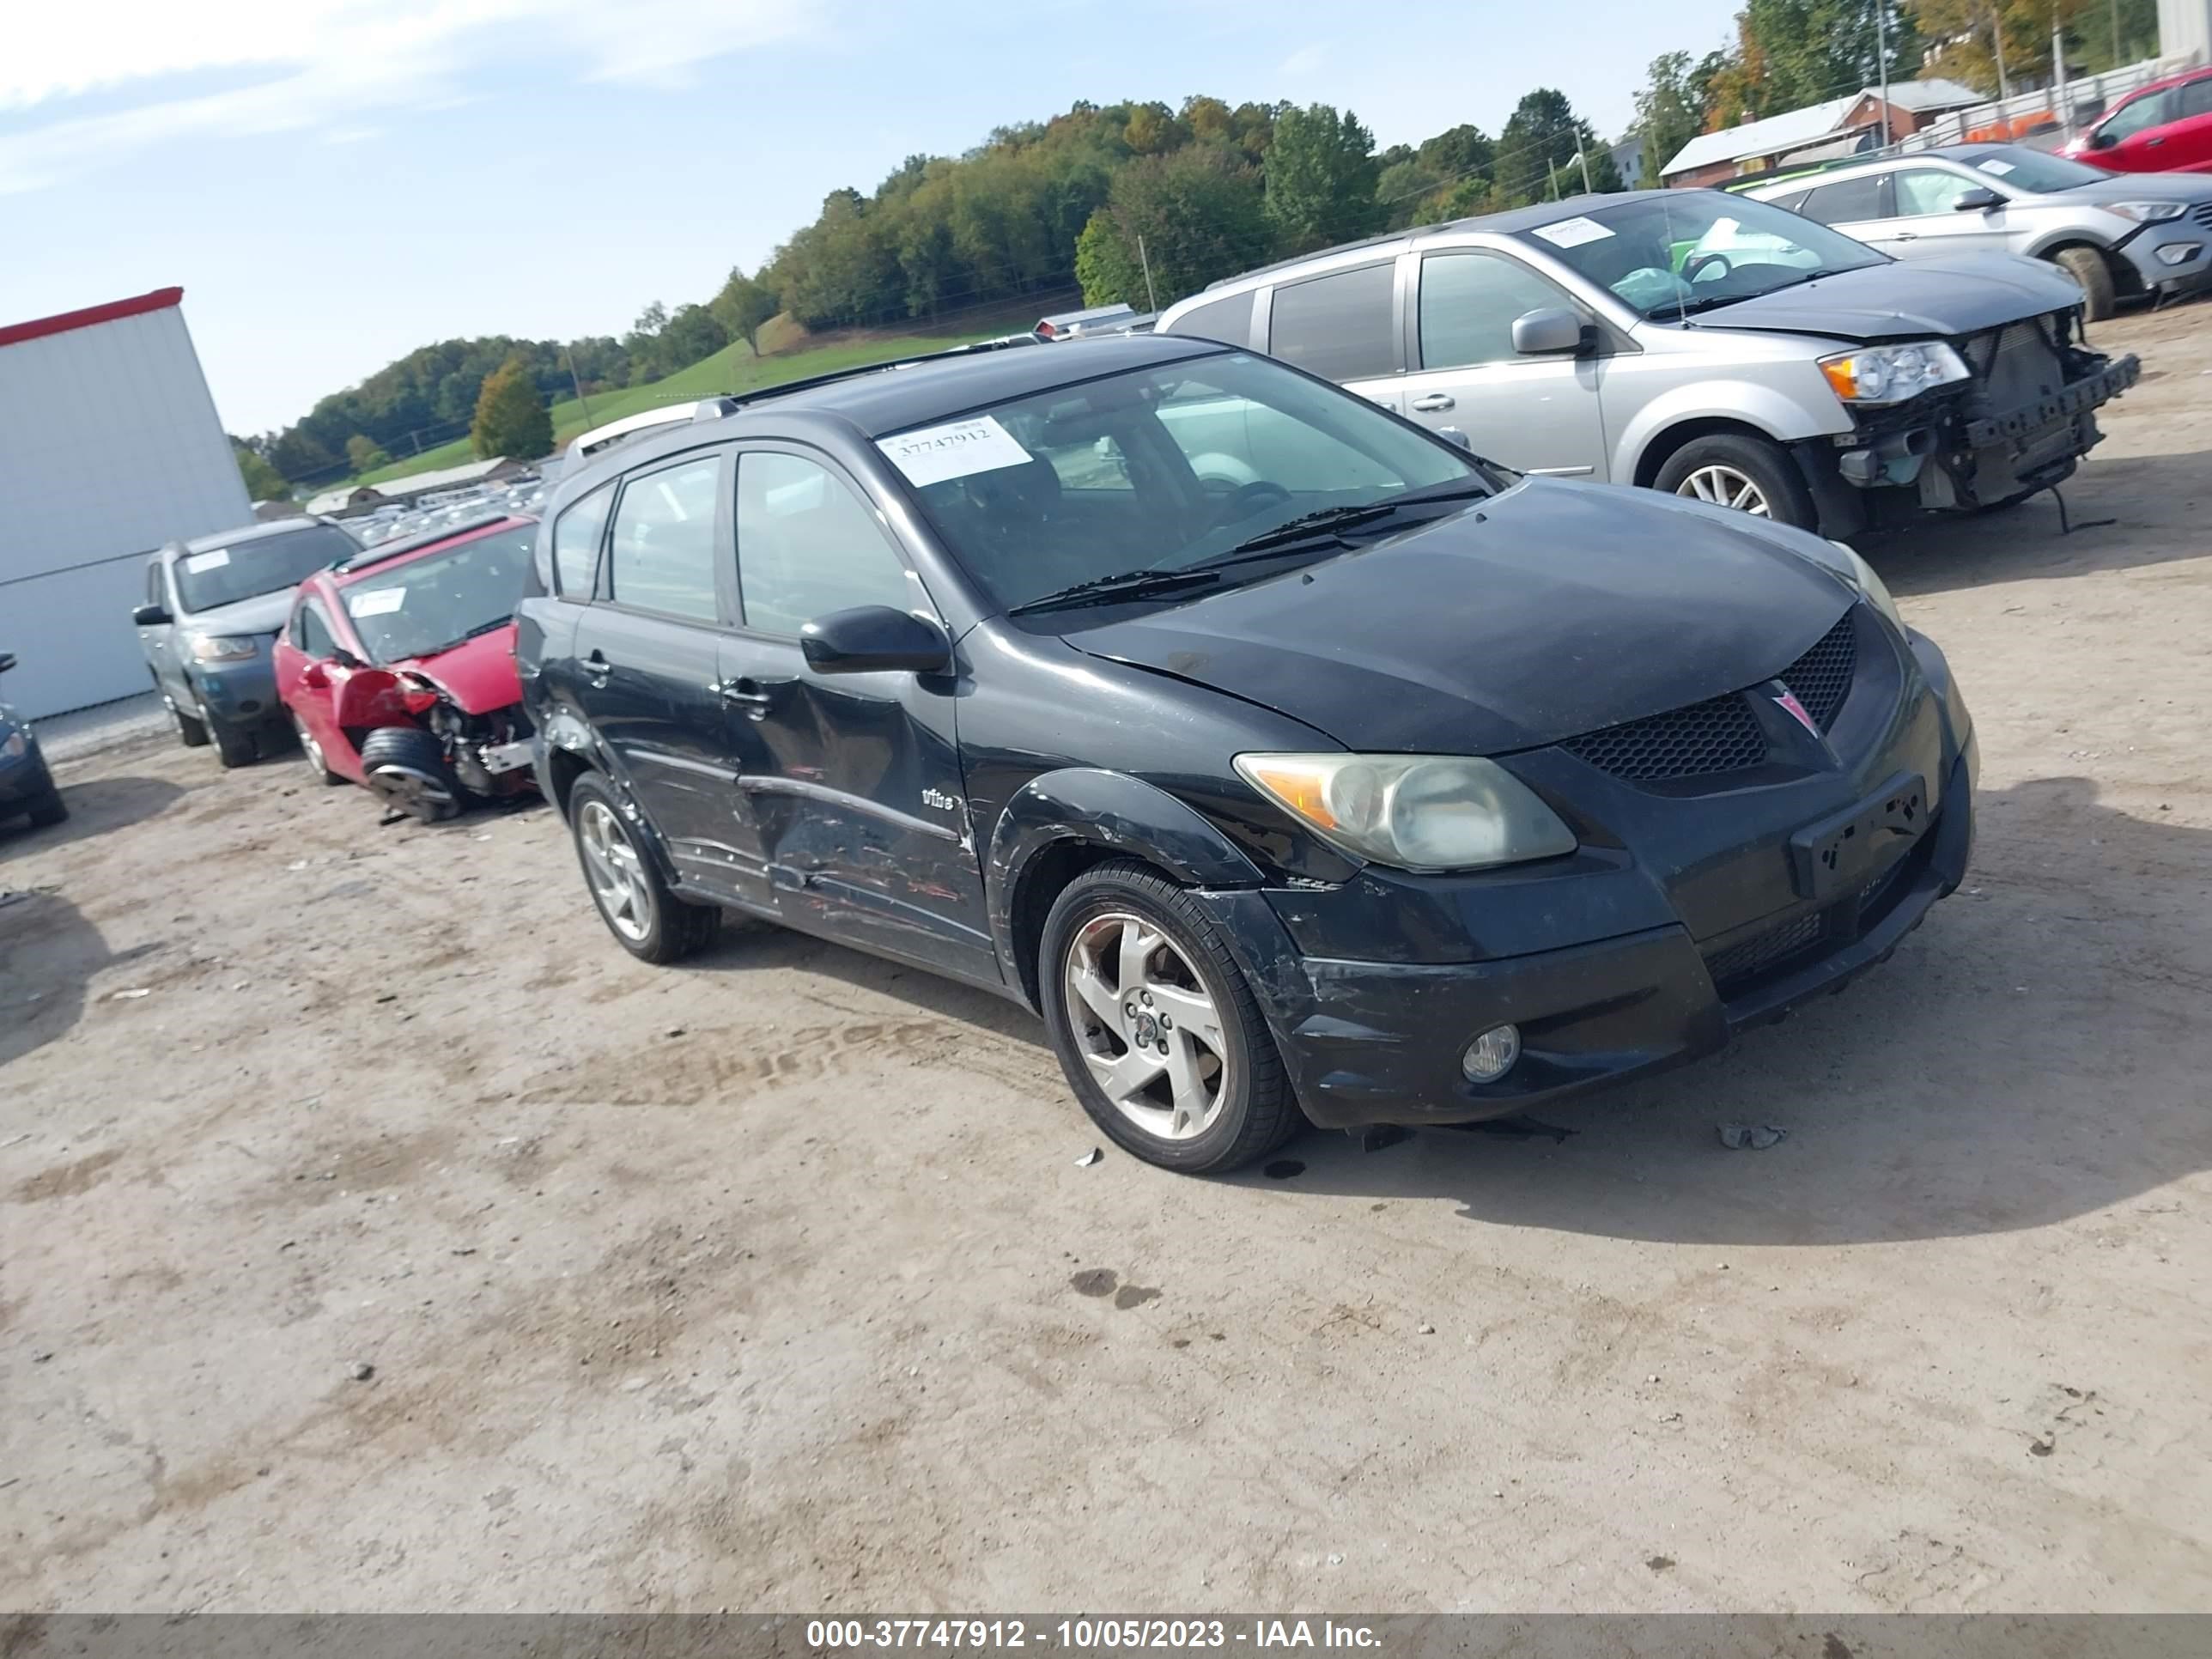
1839,122
109,447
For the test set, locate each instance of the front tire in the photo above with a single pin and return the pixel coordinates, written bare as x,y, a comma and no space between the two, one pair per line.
2087,266
48,810
190,732
1159,1035
408,770
648,920
234,744
1735,470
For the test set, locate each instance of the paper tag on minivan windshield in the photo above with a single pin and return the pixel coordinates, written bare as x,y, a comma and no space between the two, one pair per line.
954,450
1573,232
213,559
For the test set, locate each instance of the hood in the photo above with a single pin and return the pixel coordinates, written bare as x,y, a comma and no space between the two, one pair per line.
265,613
1565,608
1907,300
478,674
2140,187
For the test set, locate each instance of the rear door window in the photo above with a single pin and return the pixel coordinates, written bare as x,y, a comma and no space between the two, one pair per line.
2195,98
661,555
1849,201
1338,326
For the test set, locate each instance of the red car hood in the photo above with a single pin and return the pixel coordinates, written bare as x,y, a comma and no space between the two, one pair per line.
478,674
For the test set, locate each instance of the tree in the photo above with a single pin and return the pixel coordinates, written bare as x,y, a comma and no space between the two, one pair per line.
264,483
742,306
1320,176
511,417
1201,213
362,454
1670,111
1995,45
1537,153
300,455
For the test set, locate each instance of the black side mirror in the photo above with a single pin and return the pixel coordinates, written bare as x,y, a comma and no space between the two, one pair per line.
1978,198
7,661
151,615
874,638
2101,140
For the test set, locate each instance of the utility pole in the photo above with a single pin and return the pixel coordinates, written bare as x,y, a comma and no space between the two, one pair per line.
579,385
1151,299
1997,48
1588,189
2058,96
2116,35
1882,55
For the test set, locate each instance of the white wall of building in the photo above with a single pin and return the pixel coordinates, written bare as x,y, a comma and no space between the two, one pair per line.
2184,30
109,447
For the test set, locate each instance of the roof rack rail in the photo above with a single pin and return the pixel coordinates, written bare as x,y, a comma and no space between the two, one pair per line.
784,388
392,550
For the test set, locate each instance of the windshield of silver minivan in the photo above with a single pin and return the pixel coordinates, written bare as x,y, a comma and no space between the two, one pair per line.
1150,473
1677,252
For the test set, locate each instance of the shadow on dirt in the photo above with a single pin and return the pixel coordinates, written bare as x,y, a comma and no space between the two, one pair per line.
96,806
48,953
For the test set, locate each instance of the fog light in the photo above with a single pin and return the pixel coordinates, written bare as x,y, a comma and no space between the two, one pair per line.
1490,1055
2179,253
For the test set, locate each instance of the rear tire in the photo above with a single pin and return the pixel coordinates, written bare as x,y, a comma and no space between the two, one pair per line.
1735,470
647,920
1209,1097
407,768
2087,266
48,810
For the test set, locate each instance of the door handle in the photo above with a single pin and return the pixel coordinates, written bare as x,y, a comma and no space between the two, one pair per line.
1433,403
596,670
746,690
1907,236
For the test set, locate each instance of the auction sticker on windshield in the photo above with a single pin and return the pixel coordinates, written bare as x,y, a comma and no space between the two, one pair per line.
954,450
1573,232
377,602
213,559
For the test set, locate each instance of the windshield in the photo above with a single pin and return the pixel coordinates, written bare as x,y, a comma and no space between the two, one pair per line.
1158,469
268,564
2033,170
427,604
1678,252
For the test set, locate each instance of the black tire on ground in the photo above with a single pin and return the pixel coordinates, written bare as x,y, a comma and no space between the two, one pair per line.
655,925
234,744
311,752
2087,266
189,731
407,768
48,810
1765,464
1259,1112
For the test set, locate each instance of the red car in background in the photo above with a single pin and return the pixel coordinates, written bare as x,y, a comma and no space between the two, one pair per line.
397,668
2166,127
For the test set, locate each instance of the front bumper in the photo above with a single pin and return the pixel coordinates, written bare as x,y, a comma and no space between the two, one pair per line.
2171,258
242,692
1380,1042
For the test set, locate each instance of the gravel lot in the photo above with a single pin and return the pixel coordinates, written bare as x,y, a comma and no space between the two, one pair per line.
771,1282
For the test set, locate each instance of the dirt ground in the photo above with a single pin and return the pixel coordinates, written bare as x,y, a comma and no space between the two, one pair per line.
772,1283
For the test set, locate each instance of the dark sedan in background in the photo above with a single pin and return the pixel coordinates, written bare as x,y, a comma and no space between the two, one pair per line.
1345,783
26,787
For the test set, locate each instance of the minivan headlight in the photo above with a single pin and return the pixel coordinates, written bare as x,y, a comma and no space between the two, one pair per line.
1871,587
1413,811
1891,374
217,648
16,744
2148,213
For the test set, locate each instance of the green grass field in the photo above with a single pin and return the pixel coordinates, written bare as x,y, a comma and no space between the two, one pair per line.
732,369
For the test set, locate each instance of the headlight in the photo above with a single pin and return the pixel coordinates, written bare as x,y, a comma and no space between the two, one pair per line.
1870,587
2148,213
16,746
215,647
1414,812
1890,375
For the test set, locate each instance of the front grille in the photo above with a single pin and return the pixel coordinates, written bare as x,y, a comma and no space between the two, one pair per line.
1765,951
2022,367
2202,215
1718,735
1821,679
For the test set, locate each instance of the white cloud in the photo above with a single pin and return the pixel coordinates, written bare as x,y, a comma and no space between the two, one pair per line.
325,64
1304,61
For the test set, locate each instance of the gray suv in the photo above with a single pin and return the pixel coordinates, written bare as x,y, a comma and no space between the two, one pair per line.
2132,236
212,611
1702,344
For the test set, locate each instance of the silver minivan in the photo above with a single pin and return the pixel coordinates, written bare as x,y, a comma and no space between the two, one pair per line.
2120,236
1698,342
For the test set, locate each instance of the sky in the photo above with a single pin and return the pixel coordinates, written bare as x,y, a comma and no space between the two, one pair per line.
335,182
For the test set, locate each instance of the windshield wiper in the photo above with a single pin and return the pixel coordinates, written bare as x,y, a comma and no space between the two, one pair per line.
1326,523
1109,590
477,632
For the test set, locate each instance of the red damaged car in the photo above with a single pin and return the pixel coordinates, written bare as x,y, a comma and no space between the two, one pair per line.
397,668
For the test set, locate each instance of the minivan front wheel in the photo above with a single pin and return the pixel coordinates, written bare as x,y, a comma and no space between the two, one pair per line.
1158,1032
1736,471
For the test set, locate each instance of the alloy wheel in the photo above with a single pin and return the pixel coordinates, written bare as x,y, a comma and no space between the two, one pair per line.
612,867
1147,1025
312,750
1725,486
